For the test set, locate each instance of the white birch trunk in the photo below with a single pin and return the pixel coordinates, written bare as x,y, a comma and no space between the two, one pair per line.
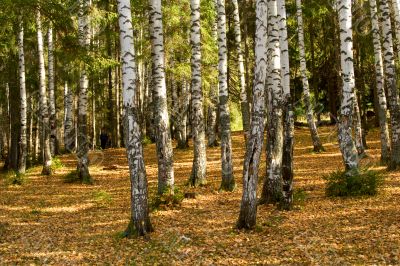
228,181
69,138
52,100
140,220
346,143
248,207
198,175
272,188
83,140
23,104
380,84
391,83
243,94
161,117
288,115
306,88
44,114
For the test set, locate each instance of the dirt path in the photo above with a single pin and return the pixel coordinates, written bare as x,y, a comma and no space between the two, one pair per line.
47,221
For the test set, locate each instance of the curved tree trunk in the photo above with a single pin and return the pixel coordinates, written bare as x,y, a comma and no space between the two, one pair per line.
272,187
248,206
228,181
346,143
244,103
306,88
393,93
83,139
139,224
23,104
380,84
198,175
161,117
44,115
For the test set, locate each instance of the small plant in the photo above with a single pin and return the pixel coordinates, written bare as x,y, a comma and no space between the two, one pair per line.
56,164
14,178
102,198
167,199
146,141
299,197
352,183
72,177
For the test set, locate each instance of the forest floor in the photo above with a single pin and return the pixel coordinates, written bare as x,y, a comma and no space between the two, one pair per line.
48,221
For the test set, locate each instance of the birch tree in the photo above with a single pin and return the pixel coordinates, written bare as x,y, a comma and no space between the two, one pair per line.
272,187
83,141
140,221
288,116
391,83
228,181
161,117
52,100
69,138
380,84
248,206
23,104
198,175
306,88
346,143
44,115
243,94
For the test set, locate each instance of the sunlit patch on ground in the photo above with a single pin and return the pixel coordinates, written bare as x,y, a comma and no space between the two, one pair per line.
47,221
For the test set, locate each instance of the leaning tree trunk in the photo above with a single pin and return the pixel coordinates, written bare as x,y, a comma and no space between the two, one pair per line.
393,93
198,175
44,115
306,88
244,103
140,221
161,117
288,116
380,84
346,143
272,187
83,139
248,207
23,105
228,181
52,100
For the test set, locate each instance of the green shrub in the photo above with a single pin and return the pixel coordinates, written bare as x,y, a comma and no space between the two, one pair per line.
14,178
56,164
352,183
146,141
167,199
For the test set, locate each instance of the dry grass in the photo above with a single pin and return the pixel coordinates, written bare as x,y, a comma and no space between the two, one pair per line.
47,221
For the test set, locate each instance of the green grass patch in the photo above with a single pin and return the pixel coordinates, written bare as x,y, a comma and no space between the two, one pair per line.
352,183
102,198
167,200
56,164
14,178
